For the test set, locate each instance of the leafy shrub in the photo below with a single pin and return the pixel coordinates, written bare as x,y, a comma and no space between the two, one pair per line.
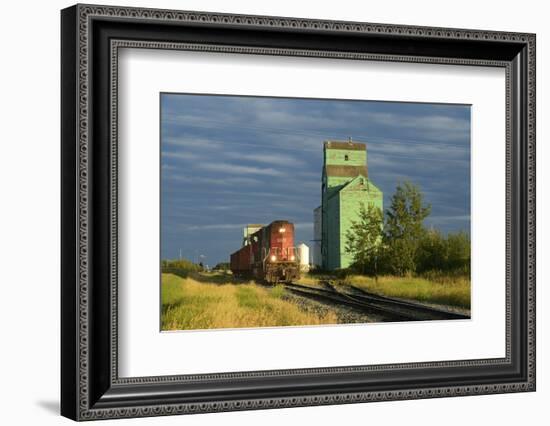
179,267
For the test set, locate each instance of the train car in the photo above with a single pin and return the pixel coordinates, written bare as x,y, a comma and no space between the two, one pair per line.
268,254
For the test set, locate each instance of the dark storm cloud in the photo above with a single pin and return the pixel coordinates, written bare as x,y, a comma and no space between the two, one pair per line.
227,161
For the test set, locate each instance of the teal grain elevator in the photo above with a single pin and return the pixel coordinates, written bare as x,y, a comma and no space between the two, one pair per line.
345,186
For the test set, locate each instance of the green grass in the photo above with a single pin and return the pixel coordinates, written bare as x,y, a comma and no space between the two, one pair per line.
210,300
440,289
204,300
278,291
454,293
248,297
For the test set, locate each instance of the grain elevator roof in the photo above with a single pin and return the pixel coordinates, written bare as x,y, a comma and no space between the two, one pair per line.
351,146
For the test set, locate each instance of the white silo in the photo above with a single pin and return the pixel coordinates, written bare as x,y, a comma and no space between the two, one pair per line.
303,252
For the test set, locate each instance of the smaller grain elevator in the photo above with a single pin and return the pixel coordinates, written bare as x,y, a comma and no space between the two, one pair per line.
248,230
345,186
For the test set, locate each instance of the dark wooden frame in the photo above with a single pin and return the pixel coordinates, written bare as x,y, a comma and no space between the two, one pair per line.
90,386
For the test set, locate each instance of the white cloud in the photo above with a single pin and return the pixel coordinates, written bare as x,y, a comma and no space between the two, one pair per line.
216,226
304,225
436,127
448,219
180,156
269,158
191,142
227,181
236,169
222,226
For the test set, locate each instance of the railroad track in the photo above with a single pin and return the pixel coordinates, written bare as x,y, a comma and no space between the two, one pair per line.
369,303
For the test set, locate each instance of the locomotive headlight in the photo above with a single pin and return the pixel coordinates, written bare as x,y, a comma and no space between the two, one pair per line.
273,258
281,230
292,258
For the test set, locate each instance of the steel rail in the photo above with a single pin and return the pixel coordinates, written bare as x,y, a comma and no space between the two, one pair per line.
393,309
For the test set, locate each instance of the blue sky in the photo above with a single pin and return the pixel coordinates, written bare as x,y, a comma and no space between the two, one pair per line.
231,160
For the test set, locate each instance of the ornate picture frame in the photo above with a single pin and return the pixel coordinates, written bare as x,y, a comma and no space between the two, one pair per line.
91,37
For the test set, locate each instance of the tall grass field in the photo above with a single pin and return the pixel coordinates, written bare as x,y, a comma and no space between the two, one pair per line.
436,289
453,293
212,301
202,300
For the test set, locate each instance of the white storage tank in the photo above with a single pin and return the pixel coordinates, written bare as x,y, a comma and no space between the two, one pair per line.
303,252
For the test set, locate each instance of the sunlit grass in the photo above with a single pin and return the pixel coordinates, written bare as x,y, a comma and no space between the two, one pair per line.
455,292
208,301
308,280
439,289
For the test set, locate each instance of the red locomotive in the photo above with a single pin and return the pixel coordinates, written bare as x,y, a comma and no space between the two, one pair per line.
268,253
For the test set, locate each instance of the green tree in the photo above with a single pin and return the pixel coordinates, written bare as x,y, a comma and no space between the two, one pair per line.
222,266
446,254
458,251
404,228
180,267
364,238
432,252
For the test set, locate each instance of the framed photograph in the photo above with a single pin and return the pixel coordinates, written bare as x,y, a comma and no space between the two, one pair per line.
263,212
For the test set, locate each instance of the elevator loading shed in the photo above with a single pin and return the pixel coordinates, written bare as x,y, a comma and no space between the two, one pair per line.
345,186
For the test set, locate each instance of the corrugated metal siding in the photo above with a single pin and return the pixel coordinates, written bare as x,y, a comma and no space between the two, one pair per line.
346,171
350,206
317,236
346,187
333,233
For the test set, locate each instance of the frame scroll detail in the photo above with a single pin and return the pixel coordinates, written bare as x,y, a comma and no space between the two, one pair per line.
99,392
